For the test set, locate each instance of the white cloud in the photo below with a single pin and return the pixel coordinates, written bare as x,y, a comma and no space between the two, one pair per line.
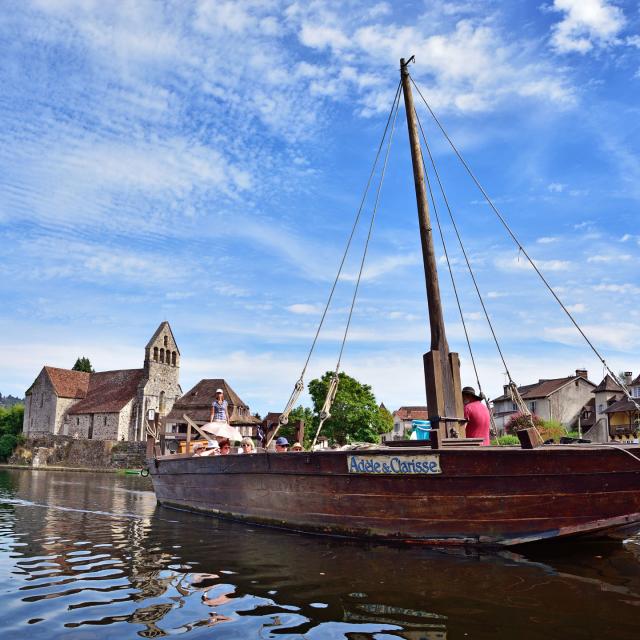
547,239
579,307
622,289
522,264
375,269
496,294
556,187
614,335
585,24
620,257
305,309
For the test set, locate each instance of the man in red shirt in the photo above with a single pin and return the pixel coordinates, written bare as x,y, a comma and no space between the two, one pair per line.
477,415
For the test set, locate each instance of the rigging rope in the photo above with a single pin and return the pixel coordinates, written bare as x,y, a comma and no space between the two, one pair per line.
333,386
513,388
450,268
299,385
523,250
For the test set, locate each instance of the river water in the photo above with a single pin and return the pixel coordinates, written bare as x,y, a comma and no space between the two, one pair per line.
87,556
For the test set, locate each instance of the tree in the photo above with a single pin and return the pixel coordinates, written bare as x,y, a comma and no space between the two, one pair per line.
11,420
310,425
8,443
83,364
355,414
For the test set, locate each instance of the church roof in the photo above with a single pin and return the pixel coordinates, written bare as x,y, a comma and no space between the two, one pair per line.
68,383
109,391
607,384
163,325
197,402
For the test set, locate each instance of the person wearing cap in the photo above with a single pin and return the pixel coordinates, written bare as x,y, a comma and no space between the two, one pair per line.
282,445
219,408
477,416
212,449
296,446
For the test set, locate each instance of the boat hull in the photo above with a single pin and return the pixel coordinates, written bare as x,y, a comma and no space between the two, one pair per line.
488,496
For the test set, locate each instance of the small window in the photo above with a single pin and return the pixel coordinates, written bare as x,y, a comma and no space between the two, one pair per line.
77,421
162,355
513,406
532,407
166,341
155,354
173,358
105,421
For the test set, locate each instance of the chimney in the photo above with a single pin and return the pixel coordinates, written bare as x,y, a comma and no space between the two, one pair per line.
582,373
628,377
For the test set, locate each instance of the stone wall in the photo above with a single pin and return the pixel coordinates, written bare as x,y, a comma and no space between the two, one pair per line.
94,426
64,451
40,407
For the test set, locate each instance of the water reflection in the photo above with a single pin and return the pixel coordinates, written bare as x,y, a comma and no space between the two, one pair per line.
92,556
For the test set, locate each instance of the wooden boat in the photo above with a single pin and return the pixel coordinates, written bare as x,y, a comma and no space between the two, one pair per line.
449,493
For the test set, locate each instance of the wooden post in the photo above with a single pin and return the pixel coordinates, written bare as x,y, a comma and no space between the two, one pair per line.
188,445
441,368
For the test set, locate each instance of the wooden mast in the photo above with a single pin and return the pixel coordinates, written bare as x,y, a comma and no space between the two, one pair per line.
441,367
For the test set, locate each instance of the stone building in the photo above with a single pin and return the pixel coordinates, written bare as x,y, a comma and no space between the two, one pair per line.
196,403
561,399
108,405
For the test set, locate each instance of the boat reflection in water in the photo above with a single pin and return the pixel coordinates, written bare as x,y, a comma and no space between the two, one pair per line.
105,562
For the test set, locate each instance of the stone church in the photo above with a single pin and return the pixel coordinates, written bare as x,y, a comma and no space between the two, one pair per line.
108,405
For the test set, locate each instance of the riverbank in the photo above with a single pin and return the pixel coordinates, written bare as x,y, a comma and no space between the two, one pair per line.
70,469
70,454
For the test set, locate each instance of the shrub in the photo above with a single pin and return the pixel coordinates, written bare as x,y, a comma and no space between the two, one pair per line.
521,421
505,440
8,443
552,429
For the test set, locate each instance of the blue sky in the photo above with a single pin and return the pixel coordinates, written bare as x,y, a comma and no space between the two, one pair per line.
201,162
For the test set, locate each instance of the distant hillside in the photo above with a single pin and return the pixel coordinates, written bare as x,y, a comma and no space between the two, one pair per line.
9,401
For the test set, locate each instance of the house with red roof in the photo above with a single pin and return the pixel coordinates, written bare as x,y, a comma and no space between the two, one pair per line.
560,399
107,405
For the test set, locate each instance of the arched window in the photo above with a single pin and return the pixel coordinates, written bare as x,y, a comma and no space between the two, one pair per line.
161,355
155,354
173,358
162,402
166,341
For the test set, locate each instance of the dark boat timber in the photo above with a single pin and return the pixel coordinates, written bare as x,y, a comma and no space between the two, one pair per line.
489,495
452,493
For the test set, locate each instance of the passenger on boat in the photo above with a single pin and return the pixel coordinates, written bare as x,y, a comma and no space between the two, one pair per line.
225,447
296,446
219,408
248,446
282,445
212,448
477,415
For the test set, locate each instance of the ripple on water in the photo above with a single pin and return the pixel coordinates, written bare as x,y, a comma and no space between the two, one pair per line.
76,562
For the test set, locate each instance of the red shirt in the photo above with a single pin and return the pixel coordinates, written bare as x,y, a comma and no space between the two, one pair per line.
477,414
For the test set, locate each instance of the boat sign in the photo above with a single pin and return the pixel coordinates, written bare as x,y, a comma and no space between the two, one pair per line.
399,465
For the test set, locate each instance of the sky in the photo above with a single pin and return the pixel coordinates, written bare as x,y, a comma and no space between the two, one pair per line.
202,162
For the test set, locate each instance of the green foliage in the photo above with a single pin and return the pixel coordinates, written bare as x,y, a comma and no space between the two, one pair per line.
355,414
11,420
8,443
306,415
505,440
548,429
83,364
552,429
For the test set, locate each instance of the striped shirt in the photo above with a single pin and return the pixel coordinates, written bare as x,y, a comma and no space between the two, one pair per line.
220,412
